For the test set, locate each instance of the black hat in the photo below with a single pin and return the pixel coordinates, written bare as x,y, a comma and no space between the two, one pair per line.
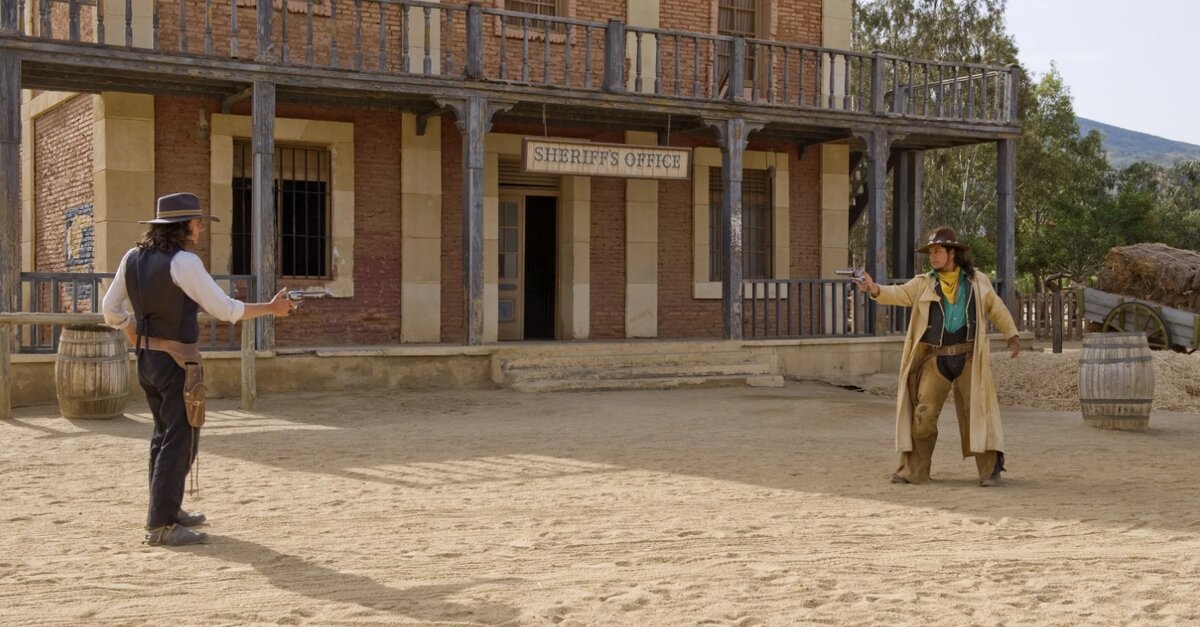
179,207
943,236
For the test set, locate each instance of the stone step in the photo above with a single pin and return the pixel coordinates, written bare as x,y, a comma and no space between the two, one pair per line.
647,383
639,371
613,347
628,360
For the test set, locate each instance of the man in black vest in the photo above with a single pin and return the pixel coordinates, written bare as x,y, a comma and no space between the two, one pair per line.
167,285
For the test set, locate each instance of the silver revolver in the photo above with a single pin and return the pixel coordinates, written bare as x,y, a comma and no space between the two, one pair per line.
297,297
855,274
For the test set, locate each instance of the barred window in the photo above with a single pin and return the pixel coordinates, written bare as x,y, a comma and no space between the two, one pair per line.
303,211
551,8
756,224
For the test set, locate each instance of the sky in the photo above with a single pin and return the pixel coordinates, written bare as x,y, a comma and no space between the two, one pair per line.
1128,63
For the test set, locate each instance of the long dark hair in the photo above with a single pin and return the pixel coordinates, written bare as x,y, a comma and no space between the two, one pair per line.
963,260
165,237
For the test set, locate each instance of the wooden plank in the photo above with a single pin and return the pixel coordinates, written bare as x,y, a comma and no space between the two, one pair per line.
6,336
10,212
249,374
263,208
1006,211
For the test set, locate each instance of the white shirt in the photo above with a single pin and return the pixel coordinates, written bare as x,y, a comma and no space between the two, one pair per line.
187,271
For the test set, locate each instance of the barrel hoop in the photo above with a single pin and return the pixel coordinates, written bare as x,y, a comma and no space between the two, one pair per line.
1117,360
107,397
1116,401
1102,345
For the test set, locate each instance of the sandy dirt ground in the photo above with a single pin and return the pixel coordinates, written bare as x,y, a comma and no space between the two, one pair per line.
706,507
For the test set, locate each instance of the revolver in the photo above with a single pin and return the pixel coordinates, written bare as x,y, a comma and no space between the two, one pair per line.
299,296
855,274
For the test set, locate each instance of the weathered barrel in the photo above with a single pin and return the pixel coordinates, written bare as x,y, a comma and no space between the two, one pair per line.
1116,381
91,373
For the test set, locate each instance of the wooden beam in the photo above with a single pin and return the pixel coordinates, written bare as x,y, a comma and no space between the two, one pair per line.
228,101
10,208
916,203
1006,243
474,121
263,211
732,136
901,215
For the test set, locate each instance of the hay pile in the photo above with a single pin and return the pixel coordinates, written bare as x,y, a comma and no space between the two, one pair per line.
1156,272
1050,381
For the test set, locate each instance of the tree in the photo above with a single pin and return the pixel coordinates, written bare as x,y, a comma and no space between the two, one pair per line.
960,182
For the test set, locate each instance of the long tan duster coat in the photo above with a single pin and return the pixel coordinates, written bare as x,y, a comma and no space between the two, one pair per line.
919,294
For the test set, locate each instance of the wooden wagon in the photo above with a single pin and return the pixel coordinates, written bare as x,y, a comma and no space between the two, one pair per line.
1165,327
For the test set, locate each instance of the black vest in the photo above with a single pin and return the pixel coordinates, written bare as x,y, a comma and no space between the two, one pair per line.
935,332
160,308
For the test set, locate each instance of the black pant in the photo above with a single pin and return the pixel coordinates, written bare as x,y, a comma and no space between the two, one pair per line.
174,443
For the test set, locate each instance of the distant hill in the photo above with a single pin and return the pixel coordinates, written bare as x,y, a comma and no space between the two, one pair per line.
1125,146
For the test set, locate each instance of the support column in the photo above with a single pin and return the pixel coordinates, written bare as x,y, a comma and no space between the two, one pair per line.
421,230
916,204
877,154
901,215
641,249
1006,243
876,262
10,201
732,135
474,116
263,146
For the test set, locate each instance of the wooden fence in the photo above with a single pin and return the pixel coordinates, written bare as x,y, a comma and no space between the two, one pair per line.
1035,312
10,323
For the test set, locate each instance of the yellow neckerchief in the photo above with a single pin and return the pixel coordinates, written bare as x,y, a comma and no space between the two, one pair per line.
949,281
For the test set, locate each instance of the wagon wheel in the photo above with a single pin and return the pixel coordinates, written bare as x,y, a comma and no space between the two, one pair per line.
1139,317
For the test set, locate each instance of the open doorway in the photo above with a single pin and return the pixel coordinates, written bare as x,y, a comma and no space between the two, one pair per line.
528,264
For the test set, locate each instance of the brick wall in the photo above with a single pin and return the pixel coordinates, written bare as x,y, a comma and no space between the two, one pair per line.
372,316
608,258
681,315
63,194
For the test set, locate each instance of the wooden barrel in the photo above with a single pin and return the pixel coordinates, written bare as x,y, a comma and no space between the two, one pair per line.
91,373
1116,381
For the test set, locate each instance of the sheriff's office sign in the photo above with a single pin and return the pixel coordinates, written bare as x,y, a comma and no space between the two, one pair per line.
587,159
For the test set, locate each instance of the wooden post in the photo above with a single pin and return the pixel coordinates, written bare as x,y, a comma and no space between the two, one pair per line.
614,56
263,146
10,201
264,52
6,336
1006,186
901,215
732,136
249,376
8,17
876,155
737,70
474,69
916,205
877,84
474,116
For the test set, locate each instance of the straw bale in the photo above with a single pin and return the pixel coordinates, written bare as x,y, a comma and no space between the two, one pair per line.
1155,272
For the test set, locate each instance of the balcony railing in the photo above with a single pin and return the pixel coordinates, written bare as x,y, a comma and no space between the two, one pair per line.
471,42
82,292
805,308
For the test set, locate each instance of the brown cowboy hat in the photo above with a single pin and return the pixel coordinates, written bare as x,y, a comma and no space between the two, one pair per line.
179,207
943,236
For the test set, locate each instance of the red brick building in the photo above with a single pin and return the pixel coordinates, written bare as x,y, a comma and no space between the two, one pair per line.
394,137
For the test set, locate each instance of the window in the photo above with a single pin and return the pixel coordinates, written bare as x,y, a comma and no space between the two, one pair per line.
756,224
737,18
303,204
549,8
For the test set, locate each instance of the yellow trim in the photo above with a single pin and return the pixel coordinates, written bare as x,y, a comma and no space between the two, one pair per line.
338,137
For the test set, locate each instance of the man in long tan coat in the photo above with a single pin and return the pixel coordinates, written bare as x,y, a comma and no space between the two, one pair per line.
947,349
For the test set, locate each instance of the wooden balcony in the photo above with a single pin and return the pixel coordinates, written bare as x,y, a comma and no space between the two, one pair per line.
409,55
